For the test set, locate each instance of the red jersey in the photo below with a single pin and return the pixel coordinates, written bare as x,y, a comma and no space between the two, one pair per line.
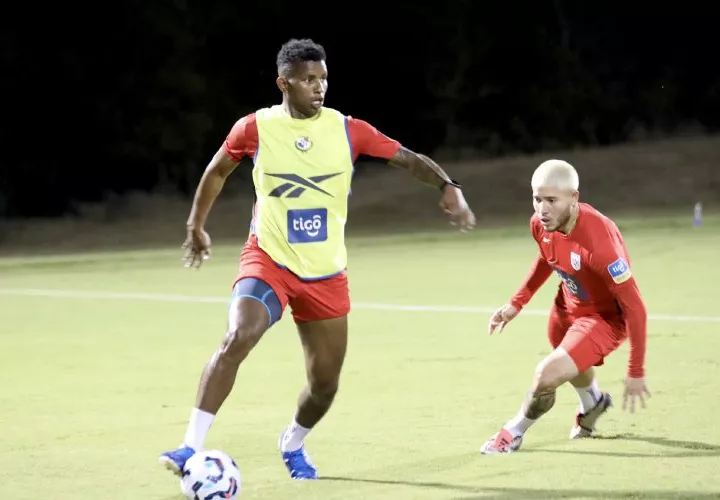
364,140
594,267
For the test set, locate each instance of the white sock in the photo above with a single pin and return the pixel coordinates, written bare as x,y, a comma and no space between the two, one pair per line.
589,396
293,437
198,428
519,424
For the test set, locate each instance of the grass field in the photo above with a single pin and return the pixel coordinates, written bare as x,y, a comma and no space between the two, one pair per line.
101,355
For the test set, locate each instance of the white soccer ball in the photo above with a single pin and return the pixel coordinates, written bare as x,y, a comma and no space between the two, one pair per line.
211,474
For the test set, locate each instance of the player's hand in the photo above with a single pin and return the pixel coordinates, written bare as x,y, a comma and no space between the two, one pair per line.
455,207
634,388
501,318
197,248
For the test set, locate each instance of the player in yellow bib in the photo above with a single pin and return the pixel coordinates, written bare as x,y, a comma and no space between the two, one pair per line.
303,155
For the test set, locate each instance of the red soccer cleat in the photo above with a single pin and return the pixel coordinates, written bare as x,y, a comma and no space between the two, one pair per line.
501,443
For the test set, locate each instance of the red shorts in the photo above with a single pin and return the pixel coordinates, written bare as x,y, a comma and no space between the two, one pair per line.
586,339
315,300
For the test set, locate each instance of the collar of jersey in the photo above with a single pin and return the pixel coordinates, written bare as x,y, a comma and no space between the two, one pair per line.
300,121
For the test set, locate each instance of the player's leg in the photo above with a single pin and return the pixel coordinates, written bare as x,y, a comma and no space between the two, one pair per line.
587,389
320,311
541,397
551,373
593,403
324,344
584,345
254,307
603,338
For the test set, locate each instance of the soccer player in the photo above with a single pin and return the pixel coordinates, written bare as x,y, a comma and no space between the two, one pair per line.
295,254
598,306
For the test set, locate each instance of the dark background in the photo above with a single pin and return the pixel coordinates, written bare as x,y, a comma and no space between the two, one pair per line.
138,95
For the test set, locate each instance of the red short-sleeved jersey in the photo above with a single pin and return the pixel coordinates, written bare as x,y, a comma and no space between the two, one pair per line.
364,139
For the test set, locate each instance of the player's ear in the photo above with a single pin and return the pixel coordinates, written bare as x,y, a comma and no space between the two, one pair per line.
282,84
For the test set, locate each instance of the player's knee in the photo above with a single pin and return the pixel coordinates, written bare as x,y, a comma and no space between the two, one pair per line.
544,383
547,378
554,370
323,391
247,322
239,341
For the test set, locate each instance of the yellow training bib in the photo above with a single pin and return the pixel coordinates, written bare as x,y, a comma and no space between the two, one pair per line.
302,175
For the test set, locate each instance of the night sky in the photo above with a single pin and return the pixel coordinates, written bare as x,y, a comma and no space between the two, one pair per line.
140,95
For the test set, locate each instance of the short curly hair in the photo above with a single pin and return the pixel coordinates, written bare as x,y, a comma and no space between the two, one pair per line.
295,50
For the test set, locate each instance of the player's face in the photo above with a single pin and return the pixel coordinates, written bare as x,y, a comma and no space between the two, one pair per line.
554,206
305,85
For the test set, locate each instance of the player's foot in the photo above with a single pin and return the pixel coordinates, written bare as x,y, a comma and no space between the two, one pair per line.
298,463
174,461
501,443
585,422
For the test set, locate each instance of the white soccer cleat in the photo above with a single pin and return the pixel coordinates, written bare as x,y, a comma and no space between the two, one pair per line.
585,423
501,443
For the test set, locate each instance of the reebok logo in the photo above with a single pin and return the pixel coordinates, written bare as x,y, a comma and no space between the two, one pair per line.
299,184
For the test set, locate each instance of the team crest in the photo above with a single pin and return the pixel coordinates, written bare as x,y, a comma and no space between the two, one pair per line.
303,143
575,260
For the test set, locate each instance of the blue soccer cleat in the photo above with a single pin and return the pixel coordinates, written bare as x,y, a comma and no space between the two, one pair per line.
298,463
174,461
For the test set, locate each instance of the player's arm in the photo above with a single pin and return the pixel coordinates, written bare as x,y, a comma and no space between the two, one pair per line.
537,275
241,141
422,168
425,170
367,140
213,179
616,273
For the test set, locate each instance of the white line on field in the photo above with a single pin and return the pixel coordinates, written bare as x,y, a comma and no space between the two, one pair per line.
370,306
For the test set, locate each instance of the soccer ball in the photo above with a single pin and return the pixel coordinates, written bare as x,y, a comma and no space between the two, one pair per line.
210,474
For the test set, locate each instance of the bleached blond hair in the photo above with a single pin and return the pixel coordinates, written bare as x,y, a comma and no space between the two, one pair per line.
557,174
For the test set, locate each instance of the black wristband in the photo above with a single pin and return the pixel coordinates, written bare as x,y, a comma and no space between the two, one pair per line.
450,182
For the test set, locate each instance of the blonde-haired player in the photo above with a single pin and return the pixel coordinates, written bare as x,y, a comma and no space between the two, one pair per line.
598,306
557,174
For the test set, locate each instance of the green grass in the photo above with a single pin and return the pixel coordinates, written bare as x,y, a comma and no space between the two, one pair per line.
94,389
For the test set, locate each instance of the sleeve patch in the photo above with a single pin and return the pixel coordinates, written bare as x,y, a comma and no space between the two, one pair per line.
619,271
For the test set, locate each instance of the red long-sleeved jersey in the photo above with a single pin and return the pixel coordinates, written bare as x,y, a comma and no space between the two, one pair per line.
594,266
